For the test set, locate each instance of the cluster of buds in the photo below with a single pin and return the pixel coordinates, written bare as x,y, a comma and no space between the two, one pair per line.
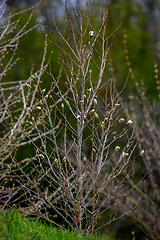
124,154
128,123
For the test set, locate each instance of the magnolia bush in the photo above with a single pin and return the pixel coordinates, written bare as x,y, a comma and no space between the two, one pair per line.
146,117
79,145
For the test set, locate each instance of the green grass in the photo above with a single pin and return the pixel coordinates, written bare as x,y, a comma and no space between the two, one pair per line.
16,226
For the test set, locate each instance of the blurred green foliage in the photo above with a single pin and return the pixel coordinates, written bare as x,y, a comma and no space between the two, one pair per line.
129,14
140,47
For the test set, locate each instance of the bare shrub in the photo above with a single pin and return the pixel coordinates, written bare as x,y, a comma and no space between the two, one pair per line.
13,96
71,128
146,118
11,91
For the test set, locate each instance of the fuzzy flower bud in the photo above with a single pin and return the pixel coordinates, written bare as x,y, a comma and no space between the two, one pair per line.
92,111
142,152
124,154
62,106
43,90
41,155
85,159
117,104
129,122
116,148
67,103
95,101
121,120
91,33
102,123
113,133
96,115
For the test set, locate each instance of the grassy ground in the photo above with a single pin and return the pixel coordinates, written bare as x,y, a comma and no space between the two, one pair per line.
15,226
